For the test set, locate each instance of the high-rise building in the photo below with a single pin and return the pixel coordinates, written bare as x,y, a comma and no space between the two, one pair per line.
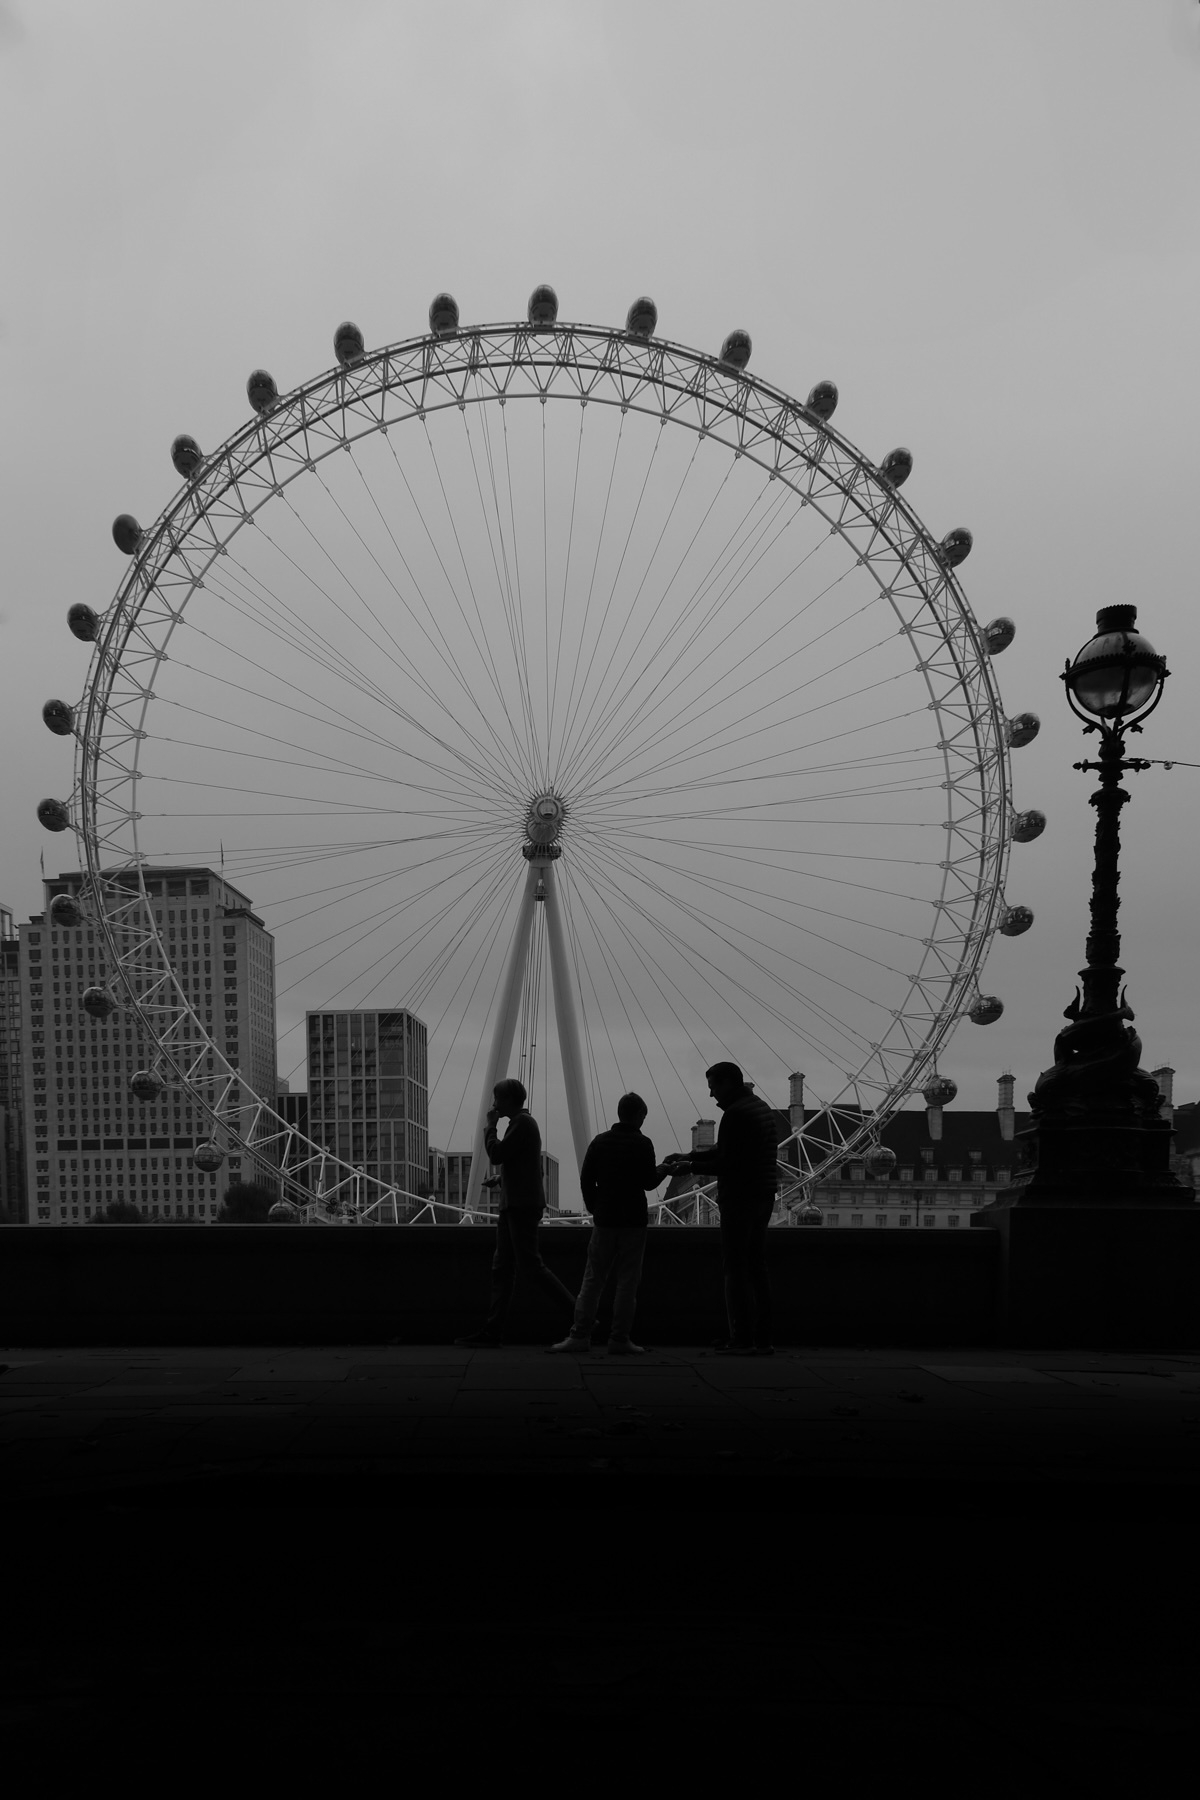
295,1156
13,1204
368,1093
93,1141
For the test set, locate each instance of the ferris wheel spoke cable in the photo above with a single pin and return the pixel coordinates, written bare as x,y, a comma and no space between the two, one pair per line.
486,774
612,586
465,857
615,963
569,712
361,885
699,746
528,773
502,751
724,885
416,936
674,629
639,632
614,973
566,583
684,627
707,747
469,1084
680,721
579,967
503,587
756,770
720,974
292,623
445,655
498,898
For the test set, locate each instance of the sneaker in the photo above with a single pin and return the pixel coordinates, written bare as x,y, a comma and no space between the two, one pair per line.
479,1340
570,1346
625,1347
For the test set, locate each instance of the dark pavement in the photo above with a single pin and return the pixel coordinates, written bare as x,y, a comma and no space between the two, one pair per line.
974,1565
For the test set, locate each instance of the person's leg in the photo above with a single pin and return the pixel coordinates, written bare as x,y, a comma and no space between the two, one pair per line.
756,1271
738,1300
630,1248
523,1225
504,1275
602,1248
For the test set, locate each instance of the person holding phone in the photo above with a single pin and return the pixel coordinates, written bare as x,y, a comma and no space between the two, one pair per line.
522,1203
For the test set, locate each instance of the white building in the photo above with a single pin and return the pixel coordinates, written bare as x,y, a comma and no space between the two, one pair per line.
89,1140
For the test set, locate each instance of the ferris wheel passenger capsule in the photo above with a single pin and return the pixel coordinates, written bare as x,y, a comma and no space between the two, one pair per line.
879,1161
1028,825
1022,730
940,1091
986,1010
186,455
261,391
146,1085
208,1156
735,351
66,911
998,635
822,400
955,547
98,1003
127,533
443,315
83,622
896,466
349,345
59,717
543,305
55,815
1017,919
642,317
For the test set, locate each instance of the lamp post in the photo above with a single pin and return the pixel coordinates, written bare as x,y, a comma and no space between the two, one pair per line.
1096,1121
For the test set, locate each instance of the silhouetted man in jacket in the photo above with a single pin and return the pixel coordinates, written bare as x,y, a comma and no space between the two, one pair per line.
618,1168
744,1161
522,1203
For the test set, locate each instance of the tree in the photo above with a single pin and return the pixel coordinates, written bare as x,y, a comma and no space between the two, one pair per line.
119,1212
246,1203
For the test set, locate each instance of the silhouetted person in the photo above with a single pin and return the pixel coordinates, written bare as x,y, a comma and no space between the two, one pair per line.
744,1161
522,1203
617,1170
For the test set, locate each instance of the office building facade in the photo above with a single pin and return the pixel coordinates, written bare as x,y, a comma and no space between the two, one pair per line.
368,1094
90,1141
13,1199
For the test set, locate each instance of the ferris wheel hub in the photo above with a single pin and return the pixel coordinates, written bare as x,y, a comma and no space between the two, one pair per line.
545,819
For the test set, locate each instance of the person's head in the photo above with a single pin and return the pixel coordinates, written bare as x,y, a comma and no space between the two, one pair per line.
509,1097
725,1082
631,1109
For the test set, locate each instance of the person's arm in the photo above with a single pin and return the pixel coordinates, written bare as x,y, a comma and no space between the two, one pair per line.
588,1184
505,1149
653,1173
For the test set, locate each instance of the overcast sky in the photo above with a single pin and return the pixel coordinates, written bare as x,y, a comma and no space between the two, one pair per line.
979,219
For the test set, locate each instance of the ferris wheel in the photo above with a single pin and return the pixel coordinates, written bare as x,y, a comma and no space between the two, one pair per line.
580,693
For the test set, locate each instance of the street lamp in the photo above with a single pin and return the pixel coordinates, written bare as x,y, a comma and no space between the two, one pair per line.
1100,1139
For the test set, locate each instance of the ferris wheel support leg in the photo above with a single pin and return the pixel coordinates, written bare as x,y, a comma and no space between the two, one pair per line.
505,1031
567,1022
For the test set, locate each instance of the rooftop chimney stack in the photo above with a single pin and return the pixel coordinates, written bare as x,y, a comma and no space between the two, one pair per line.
1005,1111
795,1102
1165,1078
704,1134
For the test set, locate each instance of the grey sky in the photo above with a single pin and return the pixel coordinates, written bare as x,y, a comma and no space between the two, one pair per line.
980,220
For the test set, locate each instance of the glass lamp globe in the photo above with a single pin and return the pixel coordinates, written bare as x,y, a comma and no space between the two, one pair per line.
1117,671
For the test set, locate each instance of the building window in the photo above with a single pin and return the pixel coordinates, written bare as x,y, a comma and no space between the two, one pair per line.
881,1218
953,1219
929,1219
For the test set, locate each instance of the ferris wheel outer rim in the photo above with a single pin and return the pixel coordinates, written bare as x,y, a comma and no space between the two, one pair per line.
161,544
